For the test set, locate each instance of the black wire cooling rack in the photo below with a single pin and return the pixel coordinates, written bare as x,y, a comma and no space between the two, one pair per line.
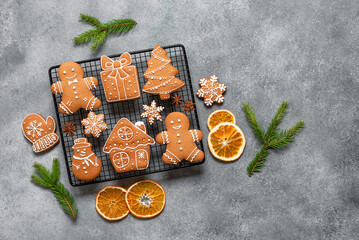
128,109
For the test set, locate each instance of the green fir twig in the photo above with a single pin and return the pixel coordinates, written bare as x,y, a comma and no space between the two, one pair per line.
270,139
50,179
98,35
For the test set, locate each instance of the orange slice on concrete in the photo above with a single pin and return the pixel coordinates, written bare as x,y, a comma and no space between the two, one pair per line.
111,203
146,199
220,116
226,142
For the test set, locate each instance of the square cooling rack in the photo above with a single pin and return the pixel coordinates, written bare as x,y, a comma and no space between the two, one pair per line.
129,109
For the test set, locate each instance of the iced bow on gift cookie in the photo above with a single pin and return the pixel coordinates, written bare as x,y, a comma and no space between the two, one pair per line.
40,132
181,142
75,89
211,90
119,78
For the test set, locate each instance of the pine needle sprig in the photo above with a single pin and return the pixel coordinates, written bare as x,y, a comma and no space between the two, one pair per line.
98,35
286,136
48,179
270,139
90,20
256,125
275,121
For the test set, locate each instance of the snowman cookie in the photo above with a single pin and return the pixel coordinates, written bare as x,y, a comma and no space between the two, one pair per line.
181,142
75,89
85,164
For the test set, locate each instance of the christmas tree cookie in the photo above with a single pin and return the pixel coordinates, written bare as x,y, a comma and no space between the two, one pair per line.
161,75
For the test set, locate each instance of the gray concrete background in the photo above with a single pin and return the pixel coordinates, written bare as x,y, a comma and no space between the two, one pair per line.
305,52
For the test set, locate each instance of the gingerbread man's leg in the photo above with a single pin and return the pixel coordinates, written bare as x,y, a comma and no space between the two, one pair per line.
169,158
63,108
195,156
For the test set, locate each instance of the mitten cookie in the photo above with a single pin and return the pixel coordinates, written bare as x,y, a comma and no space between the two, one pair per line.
85,165
119,79
161,75
181,142
211,90
129,146
94,124
40,132
75,89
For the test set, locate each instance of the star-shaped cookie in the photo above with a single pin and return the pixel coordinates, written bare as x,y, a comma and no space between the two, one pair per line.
211,90
152,112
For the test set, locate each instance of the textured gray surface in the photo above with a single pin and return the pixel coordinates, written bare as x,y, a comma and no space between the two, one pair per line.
305,52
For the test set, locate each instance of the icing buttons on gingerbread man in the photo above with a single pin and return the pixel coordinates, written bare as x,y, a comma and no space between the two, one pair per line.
181,142
75,89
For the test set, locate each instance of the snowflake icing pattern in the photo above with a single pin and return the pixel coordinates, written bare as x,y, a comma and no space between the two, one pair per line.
211,90
34,128
152,112
94,124
141,155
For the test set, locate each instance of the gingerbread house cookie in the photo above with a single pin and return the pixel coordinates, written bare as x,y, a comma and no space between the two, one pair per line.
119,79
129,146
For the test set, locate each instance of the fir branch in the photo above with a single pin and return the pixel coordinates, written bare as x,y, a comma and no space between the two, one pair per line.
48,179
257,163
271,139
99,34
90,20
275,121
98,40
286,136
256,125
87,36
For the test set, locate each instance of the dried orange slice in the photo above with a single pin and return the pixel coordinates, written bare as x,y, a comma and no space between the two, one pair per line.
226,141
146,199
220,116
111,204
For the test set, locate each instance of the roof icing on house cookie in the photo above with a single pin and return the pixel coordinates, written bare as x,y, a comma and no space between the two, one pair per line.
127,135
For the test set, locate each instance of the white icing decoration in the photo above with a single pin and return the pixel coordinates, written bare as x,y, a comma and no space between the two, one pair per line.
209,90
34,128
152,112
71,82
125,133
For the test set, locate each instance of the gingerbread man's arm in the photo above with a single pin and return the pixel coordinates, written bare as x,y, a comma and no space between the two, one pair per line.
56,88
197,135
91,82
162,138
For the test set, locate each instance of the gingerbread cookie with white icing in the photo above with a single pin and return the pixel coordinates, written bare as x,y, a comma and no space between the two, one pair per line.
75,89
161,75
40,132
181,142
85,164
129,146
119,79
94,124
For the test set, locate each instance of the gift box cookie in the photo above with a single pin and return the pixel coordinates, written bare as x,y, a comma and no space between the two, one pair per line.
120,79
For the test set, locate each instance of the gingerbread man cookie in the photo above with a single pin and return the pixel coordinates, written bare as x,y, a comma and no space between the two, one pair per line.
40,132
75,89
181,142
85,164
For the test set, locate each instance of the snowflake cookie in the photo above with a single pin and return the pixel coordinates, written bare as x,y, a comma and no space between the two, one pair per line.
152,112
94,124
211,90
